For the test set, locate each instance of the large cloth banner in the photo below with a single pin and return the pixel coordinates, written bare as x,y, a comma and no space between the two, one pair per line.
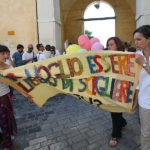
106,79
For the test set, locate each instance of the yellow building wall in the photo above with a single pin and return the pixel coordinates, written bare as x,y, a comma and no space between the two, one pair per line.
125,21
18,16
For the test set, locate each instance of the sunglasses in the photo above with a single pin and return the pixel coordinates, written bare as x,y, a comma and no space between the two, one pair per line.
31,48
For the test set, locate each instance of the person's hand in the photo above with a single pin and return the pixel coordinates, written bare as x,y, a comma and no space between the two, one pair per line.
34,59
139,59
133,107
31,59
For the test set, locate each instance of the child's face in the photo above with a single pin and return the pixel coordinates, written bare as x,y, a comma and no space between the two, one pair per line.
3,57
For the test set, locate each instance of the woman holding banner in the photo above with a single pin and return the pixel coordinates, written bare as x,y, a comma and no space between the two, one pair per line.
115,44
7,120
142,42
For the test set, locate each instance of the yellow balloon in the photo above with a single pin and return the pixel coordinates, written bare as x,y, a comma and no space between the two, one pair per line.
73,48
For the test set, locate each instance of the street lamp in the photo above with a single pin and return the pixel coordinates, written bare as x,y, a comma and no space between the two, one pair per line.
97,5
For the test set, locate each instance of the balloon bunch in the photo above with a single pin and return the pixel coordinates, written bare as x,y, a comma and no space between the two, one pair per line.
85,45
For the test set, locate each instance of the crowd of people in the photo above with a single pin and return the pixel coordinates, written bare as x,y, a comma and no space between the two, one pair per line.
21,57
142,97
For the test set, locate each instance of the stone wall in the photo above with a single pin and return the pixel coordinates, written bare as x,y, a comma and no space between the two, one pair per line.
20,17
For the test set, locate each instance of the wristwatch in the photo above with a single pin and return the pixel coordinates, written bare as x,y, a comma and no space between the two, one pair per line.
144,65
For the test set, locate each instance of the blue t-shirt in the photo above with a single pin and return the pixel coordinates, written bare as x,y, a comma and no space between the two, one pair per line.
18,59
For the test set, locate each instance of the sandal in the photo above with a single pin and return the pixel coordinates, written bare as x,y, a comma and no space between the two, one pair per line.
113,142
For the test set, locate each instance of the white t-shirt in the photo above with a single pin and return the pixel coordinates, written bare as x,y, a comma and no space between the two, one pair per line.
8,62
144,86
64,53
27,56
47,54
56,53
4,88
41,56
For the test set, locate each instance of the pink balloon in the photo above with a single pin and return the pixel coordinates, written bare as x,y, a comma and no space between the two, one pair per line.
97,47
94,40
84,42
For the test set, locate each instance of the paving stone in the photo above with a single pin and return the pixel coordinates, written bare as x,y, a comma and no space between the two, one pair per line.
80,145
58,128
33,130
44,148
48,142
58,146
55,135
61,138
75,139
93,146
106,147
38,140
33,147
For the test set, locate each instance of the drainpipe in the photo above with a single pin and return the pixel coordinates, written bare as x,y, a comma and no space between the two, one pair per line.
37,21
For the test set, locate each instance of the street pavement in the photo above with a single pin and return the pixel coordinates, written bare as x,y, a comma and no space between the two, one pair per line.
67,123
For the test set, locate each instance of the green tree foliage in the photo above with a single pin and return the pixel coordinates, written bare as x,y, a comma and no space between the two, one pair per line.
88,33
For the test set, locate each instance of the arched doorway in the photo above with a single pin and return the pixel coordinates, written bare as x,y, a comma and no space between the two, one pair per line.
99,18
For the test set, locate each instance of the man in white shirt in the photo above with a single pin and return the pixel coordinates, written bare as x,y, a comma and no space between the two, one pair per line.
40,55
29,56
47,51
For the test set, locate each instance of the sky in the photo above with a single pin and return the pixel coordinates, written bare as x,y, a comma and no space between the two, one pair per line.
102,29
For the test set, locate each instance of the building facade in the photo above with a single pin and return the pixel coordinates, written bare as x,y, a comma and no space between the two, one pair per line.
55,21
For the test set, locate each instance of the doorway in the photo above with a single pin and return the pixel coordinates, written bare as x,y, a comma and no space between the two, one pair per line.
99,19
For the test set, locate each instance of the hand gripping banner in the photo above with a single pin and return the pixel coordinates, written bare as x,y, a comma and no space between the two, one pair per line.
106,79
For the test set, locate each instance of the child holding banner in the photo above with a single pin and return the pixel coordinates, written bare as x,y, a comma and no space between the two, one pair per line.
142,42
115,44
7,120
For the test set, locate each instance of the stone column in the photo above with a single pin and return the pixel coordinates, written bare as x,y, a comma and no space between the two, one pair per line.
49,24
142,12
